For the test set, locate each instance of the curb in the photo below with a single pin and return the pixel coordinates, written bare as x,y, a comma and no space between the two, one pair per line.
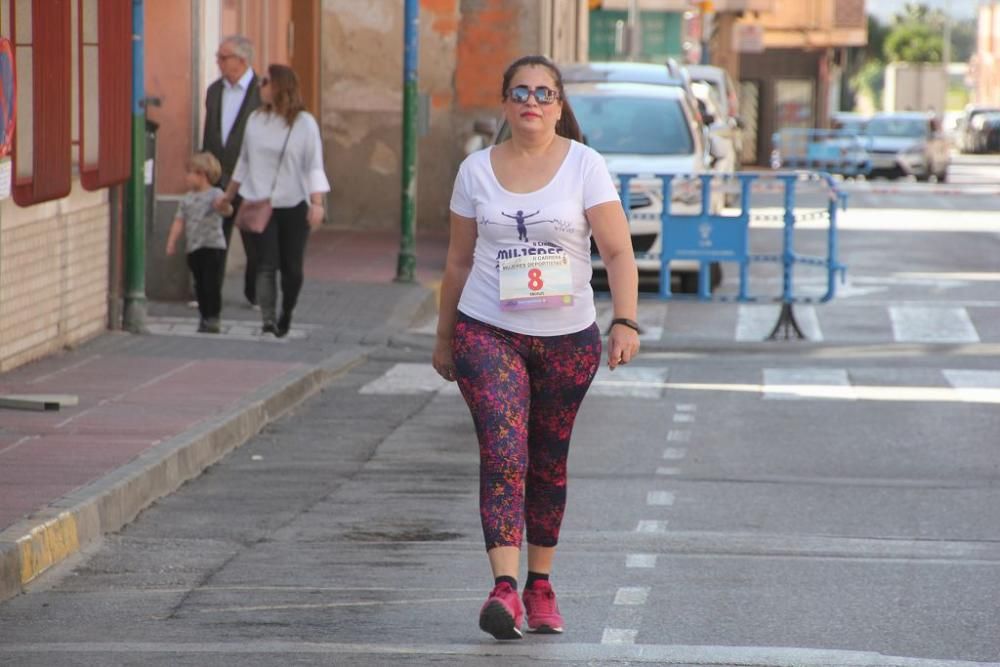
34,545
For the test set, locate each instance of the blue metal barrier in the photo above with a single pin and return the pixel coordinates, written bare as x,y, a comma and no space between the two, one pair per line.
841,152
708,236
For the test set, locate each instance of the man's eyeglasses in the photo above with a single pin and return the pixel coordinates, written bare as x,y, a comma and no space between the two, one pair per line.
542,94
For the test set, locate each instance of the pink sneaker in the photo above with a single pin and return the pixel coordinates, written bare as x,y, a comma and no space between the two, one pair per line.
542,608
502,615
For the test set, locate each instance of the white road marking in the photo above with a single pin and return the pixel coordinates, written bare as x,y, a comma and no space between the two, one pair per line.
784,383
618,636
674,453
889,393
668,471
974,386
683,418
650,319
640,560
755,322
632,596
406,379
616,645
651,333
660,498
630,381
650,526
244,330
678,436
912,324
686,407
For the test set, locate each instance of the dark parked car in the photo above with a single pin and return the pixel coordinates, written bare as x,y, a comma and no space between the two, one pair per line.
984,133
968,125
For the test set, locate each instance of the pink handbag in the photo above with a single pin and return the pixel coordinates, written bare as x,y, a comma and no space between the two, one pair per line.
254,214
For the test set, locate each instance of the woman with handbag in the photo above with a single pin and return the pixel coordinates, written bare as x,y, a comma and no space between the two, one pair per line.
281,179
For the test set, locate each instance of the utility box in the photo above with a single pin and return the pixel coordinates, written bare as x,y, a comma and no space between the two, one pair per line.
916,87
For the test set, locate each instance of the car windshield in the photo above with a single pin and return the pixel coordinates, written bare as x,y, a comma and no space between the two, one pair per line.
633,125
897,127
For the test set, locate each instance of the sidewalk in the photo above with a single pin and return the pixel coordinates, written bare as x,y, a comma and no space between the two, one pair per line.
155,410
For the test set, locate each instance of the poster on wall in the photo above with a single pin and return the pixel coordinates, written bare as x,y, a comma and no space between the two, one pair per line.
8,113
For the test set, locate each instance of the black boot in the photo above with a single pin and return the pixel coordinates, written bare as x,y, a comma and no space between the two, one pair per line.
284,324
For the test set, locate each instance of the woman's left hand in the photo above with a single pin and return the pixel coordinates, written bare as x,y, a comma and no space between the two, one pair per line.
315,216
623,345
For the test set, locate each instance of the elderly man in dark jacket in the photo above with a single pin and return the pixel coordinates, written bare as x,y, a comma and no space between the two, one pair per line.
228,104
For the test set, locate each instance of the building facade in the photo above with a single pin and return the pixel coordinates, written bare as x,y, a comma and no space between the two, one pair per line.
58,234
791,77
61,231
985,66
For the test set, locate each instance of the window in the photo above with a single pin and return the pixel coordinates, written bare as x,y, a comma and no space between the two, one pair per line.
105,58
633,125
42,143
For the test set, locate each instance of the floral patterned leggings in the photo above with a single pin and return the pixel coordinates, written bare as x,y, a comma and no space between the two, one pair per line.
524,393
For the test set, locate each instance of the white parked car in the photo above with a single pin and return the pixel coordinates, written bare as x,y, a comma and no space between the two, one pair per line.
646,129
909,142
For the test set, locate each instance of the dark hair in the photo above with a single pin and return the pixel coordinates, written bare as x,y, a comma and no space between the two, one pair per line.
567,125
286,96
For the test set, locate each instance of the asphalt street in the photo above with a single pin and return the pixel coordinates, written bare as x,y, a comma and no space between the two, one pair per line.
732,502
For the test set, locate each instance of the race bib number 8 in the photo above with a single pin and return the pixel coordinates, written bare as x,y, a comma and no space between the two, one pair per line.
535,281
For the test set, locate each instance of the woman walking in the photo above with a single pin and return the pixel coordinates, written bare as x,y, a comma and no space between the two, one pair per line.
281,159
516,327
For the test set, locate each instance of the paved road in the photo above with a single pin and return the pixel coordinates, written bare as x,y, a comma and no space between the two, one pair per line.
732,503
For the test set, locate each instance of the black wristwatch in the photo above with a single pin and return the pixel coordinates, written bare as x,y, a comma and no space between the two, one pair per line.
631,324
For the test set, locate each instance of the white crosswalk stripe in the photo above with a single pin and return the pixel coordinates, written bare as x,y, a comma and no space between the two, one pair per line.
244,330
421,378
919,324
786,383
755,322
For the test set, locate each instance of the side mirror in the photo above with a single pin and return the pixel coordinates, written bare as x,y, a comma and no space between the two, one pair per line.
708,118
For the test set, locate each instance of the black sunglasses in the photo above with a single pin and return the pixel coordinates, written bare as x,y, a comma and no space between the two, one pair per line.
542,94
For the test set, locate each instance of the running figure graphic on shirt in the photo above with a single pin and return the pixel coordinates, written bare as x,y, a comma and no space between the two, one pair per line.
520,217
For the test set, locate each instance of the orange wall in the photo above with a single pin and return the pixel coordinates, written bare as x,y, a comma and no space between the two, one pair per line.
168,76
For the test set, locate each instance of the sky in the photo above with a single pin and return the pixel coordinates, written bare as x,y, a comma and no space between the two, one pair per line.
959,9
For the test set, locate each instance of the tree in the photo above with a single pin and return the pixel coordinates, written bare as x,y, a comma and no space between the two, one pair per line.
916,36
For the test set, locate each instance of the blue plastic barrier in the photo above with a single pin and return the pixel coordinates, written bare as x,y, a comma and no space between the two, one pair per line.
708,237
833,151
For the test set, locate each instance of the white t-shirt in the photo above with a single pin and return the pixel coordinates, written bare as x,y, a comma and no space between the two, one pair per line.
523,227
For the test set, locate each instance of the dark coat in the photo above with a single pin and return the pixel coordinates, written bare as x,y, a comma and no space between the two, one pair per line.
229,153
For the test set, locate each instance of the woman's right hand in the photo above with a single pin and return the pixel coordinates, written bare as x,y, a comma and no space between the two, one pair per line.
442,360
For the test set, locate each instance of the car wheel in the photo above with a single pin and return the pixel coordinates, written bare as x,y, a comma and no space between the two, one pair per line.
943,176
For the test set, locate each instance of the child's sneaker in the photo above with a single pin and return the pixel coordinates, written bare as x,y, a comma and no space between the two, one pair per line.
502,615
542,609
